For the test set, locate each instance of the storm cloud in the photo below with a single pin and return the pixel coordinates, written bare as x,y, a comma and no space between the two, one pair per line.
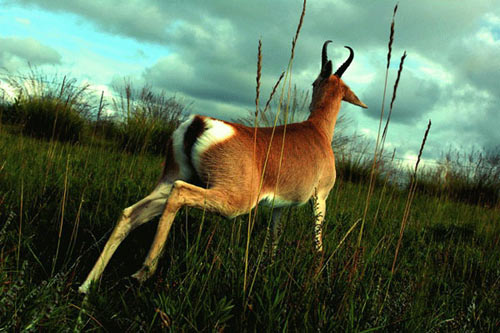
18,52
451,73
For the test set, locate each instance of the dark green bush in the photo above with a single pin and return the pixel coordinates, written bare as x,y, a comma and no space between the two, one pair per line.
49,118
140,135
47,106
107,129
7,113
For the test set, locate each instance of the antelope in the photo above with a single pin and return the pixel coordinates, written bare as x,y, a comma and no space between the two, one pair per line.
214,165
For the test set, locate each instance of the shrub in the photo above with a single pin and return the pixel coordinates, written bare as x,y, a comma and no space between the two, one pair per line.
48,107
7,113
107,128
149,118
48,118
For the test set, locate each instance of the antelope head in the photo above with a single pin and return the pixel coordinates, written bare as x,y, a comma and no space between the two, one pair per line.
328,86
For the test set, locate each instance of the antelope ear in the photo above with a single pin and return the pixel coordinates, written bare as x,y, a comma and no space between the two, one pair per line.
351,97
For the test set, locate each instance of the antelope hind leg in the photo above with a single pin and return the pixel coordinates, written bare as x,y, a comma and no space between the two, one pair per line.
183,194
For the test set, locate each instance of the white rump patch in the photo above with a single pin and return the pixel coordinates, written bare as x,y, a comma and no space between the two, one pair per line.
178,145
216,131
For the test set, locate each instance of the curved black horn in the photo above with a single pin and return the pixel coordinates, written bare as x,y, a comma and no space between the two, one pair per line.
346,64
324,57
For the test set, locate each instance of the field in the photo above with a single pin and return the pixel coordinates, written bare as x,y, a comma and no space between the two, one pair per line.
59,201
422,258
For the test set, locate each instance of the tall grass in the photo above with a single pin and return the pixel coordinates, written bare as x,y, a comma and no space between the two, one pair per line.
447,273
148,118
472,177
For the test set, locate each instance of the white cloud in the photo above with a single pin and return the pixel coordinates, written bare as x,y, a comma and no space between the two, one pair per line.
486,36
492,19
7,92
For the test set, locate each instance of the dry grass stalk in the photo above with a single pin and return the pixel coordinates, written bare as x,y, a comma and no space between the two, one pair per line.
76,224
257,88
273,92
20,224
376,152
384,187
400,70
256,122
287,105
409,200
288,75
323,266
251,223
299,26
61,222
422,147
391,37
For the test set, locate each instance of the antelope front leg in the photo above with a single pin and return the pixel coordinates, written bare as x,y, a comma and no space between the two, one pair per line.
121,231
319,207
276,229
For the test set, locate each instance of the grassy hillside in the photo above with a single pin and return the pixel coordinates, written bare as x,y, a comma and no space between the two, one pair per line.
59,201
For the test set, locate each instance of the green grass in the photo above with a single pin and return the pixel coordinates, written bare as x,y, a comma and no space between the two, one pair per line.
58,202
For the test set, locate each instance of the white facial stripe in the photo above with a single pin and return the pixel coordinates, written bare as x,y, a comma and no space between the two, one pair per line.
178,145
216,131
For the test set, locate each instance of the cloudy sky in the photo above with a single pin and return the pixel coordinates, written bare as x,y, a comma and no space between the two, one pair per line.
205,52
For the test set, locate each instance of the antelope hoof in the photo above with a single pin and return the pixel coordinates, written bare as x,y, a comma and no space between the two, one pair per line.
84,288
142,275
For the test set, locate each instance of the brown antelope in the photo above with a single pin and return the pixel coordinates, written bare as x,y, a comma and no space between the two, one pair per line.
213,164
